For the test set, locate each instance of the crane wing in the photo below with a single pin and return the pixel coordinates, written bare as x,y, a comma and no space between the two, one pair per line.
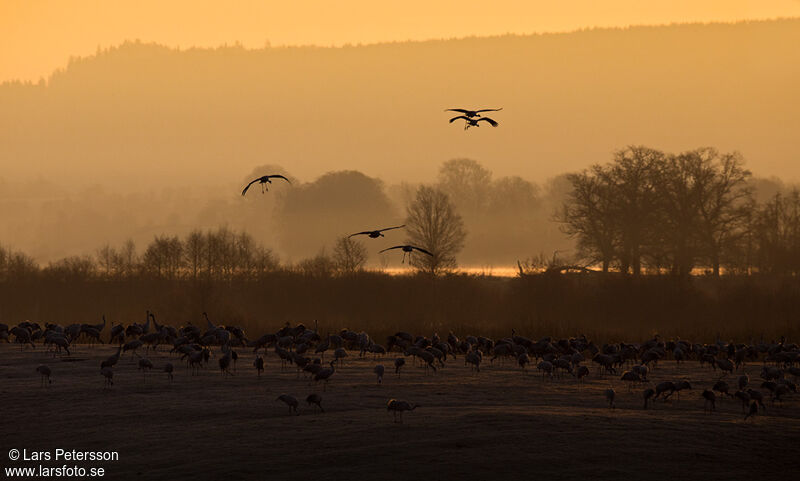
422,250
463,111
395,227
491,121
361,233
278,176
248,186
390,248
459,117
490,110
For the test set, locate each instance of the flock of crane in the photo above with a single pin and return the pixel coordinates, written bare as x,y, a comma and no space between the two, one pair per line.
406,248
555,358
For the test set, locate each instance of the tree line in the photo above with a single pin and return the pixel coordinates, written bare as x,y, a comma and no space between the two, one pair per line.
644,211
221,254
677,213
226,254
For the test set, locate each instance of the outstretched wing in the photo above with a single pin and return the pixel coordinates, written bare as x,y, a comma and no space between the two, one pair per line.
390,248
395,227
459,117
463,111
361,233
248,186
491,122
422,250
278,176
490,110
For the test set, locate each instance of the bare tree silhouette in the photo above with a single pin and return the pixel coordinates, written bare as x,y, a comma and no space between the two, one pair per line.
433,224
349,255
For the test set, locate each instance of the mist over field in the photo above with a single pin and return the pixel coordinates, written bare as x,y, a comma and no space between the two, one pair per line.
141,140
318,239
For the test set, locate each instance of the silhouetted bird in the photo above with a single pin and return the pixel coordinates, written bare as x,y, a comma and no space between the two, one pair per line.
407,249
316,401
263,181
374,234
753,410
474,122
472,113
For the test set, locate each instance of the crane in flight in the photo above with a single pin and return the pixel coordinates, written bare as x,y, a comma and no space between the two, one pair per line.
374,234
473,113
263,181
407,249
473,122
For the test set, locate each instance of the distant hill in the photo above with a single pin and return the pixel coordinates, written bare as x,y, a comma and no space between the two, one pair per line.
146,113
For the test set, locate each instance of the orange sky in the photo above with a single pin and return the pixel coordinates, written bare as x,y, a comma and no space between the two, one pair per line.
38,36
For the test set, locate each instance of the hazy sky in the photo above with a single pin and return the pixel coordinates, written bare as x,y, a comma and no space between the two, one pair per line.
38,36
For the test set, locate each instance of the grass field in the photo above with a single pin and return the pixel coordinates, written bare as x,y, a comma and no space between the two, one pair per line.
469,426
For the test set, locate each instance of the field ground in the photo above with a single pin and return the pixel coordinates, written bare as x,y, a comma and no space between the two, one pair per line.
470,426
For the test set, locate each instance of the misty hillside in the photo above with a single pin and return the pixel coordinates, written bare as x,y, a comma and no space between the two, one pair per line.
149,114
142,140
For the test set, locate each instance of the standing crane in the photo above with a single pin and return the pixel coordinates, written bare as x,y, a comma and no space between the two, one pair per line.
396,406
